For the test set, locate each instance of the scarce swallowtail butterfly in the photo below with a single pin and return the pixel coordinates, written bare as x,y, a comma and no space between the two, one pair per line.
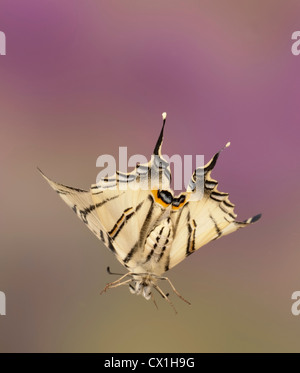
146,227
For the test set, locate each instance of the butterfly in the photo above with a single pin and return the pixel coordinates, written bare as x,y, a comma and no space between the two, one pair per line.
149,229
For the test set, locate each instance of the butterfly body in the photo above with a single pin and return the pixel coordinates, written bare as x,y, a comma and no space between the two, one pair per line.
157,247
148,229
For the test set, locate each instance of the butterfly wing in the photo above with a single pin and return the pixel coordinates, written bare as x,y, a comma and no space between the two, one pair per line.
206,215
129,205
82,204
122,209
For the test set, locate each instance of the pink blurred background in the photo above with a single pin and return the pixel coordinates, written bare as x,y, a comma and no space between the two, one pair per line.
81,79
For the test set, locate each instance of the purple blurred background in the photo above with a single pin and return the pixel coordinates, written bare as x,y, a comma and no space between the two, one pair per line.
81,79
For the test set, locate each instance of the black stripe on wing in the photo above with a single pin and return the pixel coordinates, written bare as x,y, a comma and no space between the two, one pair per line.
143,232
123,219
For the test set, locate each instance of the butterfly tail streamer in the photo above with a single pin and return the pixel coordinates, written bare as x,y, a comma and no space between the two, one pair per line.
157,149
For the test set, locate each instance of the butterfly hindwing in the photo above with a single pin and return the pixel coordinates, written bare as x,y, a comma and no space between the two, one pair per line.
127,217
82,204
129,205
207,215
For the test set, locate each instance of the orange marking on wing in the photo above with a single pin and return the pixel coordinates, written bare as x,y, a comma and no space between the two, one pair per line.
120,222
158,199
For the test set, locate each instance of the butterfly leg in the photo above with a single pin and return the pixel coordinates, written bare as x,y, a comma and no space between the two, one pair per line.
116,283
175,291
164,296
120,283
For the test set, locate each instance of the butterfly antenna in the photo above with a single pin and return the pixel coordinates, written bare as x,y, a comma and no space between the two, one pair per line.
157,149
165,297
113,273
153,299
175,291
118,282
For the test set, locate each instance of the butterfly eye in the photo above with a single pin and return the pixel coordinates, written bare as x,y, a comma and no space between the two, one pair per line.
147,292
138,288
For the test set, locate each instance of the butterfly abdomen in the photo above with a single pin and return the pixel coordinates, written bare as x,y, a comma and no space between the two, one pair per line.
158,244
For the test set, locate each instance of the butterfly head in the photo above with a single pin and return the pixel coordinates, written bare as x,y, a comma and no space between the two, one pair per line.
141,286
